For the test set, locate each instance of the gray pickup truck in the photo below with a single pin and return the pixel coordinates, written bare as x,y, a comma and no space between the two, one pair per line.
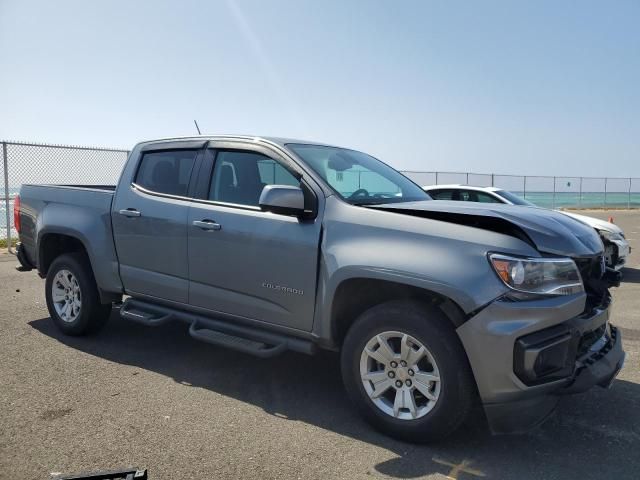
266,244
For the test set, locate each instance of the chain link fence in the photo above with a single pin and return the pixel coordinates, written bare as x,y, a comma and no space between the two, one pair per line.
53,164
547,191
62,164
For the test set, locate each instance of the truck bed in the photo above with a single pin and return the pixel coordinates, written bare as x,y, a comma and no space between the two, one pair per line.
108,188
79,211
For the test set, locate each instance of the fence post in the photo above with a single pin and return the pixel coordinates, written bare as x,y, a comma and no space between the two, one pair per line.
524,187
580,195
6,194
629,197
605,192
436,178
467,178
553,201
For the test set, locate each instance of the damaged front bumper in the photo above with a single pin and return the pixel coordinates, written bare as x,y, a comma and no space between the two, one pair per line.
524,355
600,366
616,252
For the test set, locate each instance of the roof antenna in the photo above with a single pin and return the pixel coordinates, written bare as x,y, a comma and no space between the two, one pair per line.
197,127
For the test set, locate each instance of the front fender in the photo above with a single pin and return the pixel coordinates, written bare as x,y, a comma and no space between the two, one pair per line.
423,281
435,256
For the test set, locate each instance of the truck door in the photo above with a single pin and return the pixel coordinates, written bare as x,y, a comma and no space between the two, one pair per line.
149,218
244,261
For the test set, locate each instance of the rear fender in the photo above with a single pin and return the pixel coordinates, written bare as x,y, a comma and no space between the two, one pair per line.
93,230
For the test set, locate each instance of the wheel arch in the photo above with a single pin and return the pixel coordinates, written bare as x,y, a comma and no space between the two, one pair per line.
52,243
354,296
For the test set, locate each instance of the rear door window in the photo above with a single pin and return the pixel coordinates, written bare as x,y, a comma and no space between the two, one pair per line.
168,171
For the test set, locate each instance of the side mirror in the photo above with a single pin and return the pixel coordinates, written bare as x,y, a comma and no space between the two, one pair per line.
282,199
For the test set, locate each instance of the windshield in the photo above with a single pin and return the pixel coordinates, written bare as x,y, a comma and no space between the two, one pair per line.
357,177
515,199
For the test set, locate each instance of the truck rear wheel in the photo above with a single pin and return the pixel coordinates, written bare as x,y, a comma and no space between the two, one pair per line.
404,368
72,296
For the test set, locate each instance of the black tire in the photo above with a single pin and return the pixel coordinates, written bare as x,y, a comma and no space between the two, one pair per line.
93,314
429,326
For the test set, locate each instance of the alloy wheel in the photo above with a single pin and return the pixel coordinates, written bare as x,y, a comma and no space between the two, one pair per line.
66,296
400,375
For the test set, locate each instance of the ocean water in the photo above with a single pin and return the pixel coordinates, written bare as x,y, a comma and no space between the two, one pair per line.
586,200
3,212
542,199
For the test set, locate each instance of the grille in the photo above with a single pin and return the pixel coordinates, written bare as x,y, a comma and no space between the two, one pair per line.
592,270
598,355
589,338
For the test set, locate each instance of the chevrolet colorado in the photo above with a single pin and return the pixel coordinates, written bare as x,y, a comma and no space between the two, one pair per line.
266,244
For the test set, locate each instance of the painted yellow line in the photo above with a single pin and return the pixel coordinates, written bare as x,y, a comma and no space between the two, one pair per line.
458,468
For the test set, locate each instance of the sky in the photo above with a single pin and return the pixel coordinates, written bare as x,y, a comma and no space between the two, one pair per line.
512,87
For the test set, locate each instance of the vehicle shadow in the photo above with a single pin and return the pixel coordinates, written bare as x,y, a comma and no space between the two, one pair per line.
630,275
596,432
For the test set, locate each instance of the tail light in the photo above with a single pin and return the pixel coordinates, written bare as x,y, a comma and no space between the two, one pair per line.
16,213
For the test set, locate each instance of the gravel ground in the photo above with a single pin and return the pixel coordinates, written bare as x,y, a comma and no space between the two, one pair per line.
155,398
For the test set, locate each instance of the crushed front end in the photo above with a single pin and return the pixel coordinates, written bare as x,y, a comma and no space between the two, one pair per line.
525,354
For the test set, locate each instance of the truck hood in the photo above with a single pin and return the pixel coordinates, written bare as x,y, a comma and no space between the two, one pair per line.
547,230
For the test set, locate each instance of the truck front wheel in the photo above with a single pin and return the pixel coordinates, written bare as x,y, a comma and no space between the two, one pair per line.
72,296
406,371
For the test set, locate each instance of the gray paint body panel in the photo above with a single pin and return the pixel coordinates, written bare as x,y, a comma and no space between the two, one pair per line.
82,213
441,257
258,265
489,337
152,247
552,232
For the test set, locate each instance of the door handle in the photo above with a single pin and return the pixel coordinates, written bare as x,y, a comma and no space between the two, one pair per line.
207,225
130,212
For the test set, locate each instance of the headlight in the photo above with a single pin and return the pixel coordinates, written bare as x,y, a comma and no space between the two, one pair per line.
543,276
611,236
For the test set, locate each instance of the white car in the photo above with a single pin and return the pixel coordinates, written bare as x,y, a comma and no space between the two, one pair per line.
616,246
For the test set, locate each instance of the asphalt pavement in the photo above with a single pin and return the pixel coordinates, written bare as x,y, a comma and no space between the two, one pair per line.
155,398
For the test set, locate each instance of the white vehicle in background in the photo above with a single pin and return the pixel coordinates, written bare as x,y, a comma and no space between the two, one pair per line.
616,246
